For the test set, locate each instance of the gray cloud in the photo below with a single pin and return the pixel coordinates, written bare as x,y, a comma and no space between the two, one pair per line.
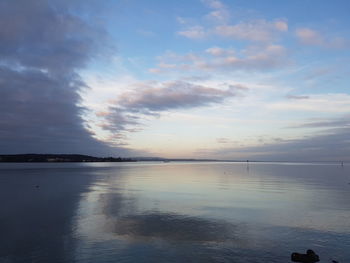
343,122
45,35
152,100
174,227
331,145
173,95
223,140
43,45
297,97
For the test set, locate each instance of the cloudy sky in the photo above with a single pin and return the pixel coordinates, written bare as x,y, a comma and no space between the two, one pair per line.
262,80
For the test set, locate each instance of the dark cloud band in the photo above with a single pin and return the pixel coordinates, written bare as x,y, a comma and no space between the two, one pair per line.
43,46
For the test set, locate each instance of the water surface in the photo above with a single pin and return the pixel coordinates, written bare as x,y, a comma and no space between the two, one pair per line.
173,212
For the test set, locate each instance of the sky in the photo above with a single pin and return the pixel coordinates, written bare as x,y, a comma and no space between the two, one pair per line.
240,79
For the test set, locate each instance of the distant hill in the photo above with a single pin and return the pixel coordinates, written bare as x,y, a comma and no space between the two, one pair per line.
43,158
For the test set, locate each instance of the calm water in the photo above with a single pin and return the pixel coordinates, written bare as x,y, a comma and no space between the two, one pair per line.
173,212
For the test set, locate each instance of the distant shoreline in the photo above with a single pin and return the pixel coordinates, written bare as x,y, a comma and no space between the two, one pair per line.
80,158
58,158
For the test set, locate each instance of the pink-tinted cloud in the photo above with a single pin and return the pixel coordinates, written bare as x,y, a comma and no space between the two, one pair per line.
268,57
214,4
254,58
312,37
256,31
259,30
309,37
219,14
194,32
217,51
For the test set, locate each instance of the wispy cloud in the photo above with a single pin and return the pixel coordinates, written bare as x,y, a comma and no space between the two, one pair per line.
328,103
193,32
217,51
255,58
219,14
312,37
260,58
298,97
342,122
214,4
331,145
256,31
223,140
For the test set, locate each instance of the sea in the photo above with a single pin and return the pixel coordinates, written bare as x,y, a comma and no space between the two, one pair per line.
173,212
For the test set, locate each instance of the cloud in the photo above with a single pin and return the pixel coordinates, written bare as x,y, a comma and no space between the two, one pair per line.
328,103
320,72
172,95
330,141
45,35
312,37
43,46
194,32
333,145
309,37
223,140
181,20
217,51
297,97
176,228
254,58
262,31
343,122
220,16
220,12
150,100
214,4
256,31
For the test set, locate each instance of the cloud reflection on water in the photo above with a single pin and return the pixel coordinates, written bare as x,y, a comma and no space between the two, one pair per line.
172,212
215,212
174,227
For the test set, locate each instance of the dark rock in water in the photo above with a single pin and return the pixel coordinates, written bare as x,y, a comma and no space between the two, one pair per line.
334,261
37,186
309,257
